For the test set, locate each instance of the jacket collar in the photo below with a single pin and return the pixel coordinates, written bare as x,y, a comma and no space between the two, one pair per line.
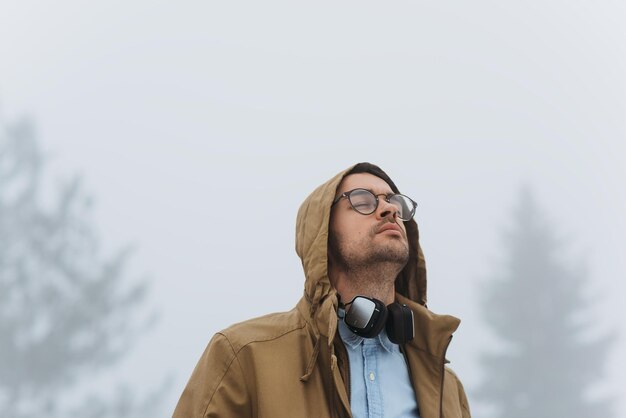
432,331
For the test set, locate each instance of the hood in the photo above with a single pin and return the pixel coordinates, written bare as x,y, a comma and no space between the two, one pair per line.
312,248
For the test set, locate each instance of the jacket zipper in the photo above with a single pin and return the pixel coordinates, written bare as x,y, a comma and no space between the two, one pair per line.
443,373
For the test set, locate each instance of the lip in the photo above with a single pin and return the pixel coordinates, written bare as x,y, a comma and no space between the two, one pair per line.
390,227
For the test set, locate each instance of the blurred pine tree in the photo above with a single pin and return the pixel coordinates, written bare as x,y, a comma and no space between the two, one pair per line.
65,311
538,310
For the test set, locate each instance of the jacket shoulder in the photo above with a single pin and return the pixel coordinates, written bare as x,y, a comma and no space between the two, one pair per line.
218,385
264,328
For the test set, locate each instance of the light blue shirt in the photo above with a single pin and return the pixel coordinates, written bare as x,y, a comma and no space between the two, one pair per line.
380,385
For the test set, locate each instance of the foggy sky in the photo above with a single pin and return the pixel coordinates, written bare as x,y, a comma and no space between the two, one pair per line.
201,127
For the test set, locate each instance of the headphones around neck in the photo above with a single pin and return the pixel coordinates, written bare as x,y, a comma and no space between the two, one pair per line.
368,316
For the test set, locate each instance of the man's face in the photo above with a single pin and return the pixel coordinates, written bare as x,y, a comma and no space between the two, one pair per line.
357,240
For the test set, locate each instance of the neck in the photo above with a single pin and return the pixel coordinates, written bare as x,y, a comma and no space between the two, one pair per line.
375,282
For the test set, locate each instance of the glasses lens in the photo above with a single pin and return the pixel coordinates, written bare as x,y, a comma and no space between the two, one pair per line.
363,201
406,207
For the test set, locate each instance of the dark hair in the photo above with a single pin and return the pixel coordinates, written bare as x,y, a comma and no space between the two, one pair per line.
375,170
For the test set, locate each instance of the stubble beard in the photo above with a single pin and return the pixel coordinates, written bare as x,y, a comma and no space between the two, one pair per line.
369,265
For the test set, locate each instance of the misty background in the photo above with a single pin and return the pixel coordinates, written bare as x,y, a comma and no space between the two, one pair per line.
196,129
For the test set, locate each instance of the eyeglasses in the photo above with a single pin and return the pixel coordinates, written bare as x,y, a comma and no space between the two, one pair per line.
366,202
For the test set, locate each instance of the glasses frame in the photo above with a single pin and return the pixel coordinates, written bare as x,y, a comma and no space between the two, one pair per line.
388,197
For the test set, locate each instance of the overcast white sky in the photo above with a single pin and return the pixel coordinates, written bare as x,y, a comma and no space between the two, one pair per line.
171,110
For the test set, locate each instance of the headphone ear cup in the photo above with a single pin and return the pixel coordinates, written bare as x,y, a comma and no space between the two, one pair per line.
378,323
367,317
400,323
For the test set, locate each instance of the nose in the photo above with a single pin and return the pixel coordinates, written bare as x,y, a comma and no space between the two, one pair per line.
386,209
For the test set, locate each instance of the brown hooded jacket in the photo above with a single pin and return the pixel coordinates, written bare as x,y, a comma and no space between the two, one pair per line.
294,364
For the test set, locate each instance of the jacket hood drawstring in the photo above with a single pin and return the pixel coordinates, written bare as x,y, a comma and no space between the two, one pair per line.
327,308
316,333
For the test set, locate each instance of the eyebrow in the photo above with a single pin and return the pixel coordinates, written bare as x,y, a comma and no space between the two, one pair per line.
368,189
373,192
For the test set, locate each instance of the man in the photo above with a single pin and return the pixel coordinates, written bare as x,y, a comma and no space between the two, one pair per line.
360,251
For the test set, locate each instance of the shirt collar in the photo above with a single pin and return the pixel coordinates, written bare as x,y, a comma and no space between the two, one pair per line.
353,340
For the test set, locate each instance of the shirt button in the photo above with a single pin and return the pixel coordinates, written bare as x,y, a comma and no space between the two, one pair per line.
372,376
